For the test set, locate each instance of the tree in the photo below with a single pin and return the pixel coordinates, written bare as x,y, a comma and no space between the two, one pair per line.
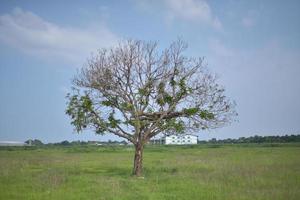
65,143
135,91
34,142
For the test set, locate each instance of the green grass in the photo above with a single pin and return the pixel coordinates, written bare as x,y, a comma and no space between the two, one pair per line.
185,172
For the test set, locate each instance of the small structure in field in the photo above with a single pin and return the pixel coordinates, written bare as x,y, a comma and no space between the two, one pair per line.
179,139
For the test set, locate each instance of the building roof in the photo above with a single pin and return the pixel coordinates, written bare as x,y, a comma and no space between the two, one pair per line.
180,135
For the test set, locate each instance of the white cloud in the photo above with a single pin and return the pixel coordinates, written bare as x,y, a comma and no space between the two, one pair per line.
192,10
219,49
250,19
196,11
248,22
34,35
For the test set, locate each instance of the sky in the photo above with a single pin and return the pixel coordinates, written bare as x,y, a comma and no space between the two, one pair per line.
253,46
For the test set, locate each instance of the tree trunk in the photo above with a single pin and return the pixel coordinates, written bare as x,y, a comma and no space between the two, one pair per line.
138,160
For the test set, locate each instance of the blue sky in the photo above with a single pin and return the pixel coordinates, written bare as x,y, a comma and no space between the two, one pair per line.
254,47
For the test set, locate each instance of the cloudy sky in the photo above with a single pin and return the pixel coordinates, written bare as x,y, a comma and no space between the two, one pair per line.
254,47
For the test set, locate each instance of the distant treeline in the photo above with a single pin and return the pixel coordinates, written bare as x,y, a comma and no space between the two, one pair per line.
36,142
254,139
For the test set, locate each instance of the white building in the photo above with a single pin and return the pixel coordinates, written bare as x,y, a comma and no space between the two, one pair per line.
181,139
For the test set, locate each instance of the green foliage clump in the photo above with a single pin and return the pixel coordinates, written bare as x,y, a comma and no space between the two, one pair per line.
126,106
113,123
183,90
168,98
173,124
191,111
172,82
204,114
81,111
110,102
78,108
106,103
142,91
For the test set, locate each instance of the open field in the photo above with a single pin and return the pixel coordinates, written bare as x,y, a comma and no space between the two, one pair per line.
191,172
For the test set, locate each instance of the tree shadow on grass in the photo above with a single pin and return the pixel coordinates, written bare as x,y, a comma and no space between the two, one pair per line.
160,170
118,171
126,172
100,171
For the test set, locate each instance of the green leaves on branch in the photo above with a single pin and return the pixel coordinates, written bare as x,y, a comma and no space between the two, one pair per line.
161,88
81,111
110,102
160,101
163,96
206,115
113,123
175,125
191,111
181,87
203,114
144,92
183,90
131,122
106,103
113,102
166,98
172,82
127,106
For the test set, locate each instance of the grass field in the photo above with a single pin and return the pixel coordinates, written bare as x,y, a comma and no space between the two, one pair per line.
186,172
